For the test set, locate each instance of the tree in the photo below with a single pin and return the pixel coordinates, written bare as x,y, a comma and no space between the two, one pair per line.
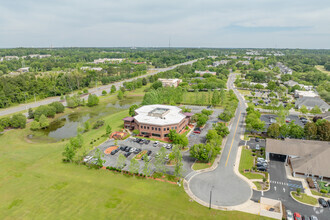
136,132
98,156
156,85
178,139
295,130
323,129
144,81
146,168
113,89
35,125
59,107
44,123
120,95
284,130
30,113
310,129
104,92
204,152
281,113
221,129
160,161
87,126
176,156
274,130
132,109
316,110
121,161
1,128
18,121
108,129
92,100
77,142
69,153
303,109
134,166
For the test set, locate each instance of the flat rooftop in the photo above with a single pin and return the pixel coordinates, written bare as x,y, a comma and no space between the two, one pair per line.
159,115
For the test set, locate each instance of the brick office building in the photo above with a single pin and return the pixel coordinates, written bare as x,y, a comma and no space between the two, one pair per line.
157,120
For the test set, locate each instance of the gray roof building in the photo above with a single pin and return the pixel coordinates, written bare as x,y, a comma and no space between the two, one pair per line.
310,102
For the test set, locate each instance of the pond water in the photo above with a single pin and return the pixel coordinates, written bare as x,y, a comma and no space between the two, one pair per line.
67,125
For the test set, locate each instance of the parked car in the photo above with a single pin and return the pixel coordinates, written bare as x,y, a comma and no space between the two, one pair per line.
257,147
156,143
147,141
289,215
132,150
149,152
297,216
114,151
272,120
127,154
260,159
323,202
313,217
87,158
287,120
262,168
329,202
262,164
197,130
257,139
304,217
122,148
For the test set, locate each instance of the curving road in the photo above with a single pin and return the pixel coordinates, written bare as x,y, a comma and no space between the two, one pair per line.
227,188
97,91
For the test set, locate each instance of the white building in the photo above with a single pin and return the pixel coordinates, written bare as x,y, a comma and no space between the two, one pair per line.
112,60
170,82
201,73
91,68
300,94
24,69
221,62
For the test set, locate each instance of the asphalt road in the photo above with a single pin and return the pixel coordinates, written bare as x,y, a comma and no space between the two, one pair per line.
97,91
227,188
280,187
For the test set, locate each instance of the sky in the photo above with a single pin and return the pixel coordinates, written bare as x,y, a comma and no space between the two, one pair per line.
158,23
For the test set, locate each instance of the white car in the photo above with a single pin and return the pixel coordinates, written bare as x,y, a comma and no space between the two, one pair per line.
87,158
133,149
156,143
260,159
289,215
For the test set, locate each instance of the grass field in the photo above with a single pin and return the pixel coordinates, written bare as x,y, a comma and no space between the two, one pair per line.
246,163
304,198
35,184
244,92
322,69
199,166
319,194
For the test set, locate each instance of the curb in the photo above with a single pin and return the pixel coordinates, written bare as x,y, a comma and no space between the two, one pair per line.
302,202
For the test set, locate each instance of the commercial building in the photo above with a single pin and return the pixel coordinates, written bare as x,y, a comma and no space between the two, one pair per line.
311,102
170,82
157,120
306,157
301,94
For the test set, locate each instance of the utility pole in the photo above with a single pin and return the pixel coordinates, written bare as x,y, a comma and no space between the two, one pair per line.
210,197
35,100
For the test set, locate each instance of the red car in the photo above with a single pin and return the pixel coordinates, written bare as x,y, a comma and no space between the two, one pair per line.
297,216
197,130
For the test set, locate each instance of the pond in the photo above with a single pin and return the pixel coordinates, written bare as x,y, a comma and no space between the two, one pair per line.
67,125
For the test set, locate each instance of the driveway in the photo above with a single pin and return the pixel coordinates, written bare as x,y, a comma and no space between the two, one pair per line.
280,188
267,119
227,188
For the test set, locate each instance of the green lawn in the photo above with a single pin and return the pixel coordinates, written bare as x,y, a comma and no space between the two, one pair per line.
316,193
35,184
246,163
199,165
244,92
322,69
257,185
304,198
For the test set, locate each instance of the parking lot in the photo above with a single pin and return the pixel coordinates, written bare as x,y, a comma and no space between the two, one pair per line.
270,119
111,160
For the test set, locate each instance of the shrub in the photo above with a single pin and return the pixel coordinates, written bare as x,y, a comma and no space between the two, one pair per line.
104,92
18,121
92,100
98,124
59,107
324,191
85,91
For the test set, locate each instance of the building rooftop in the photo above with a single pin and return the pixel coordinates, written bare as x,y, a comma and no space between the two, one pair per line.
312,157
300,93
159,115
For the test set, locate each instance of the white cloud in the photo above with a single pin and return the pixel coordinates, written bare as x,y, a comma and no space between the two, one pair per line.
257,23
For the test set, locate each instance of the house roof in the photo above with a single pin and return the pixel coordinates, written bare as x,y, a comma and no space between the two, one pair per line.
159,115
309,156
128,119
189,114
311,102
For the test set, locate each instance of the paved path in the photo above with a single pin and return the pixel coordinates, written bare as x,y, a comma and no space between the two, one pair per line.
227,188
97,91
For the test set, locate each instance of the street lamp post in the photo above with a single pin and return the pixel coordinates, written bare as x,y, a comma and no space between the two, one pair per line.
211,197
